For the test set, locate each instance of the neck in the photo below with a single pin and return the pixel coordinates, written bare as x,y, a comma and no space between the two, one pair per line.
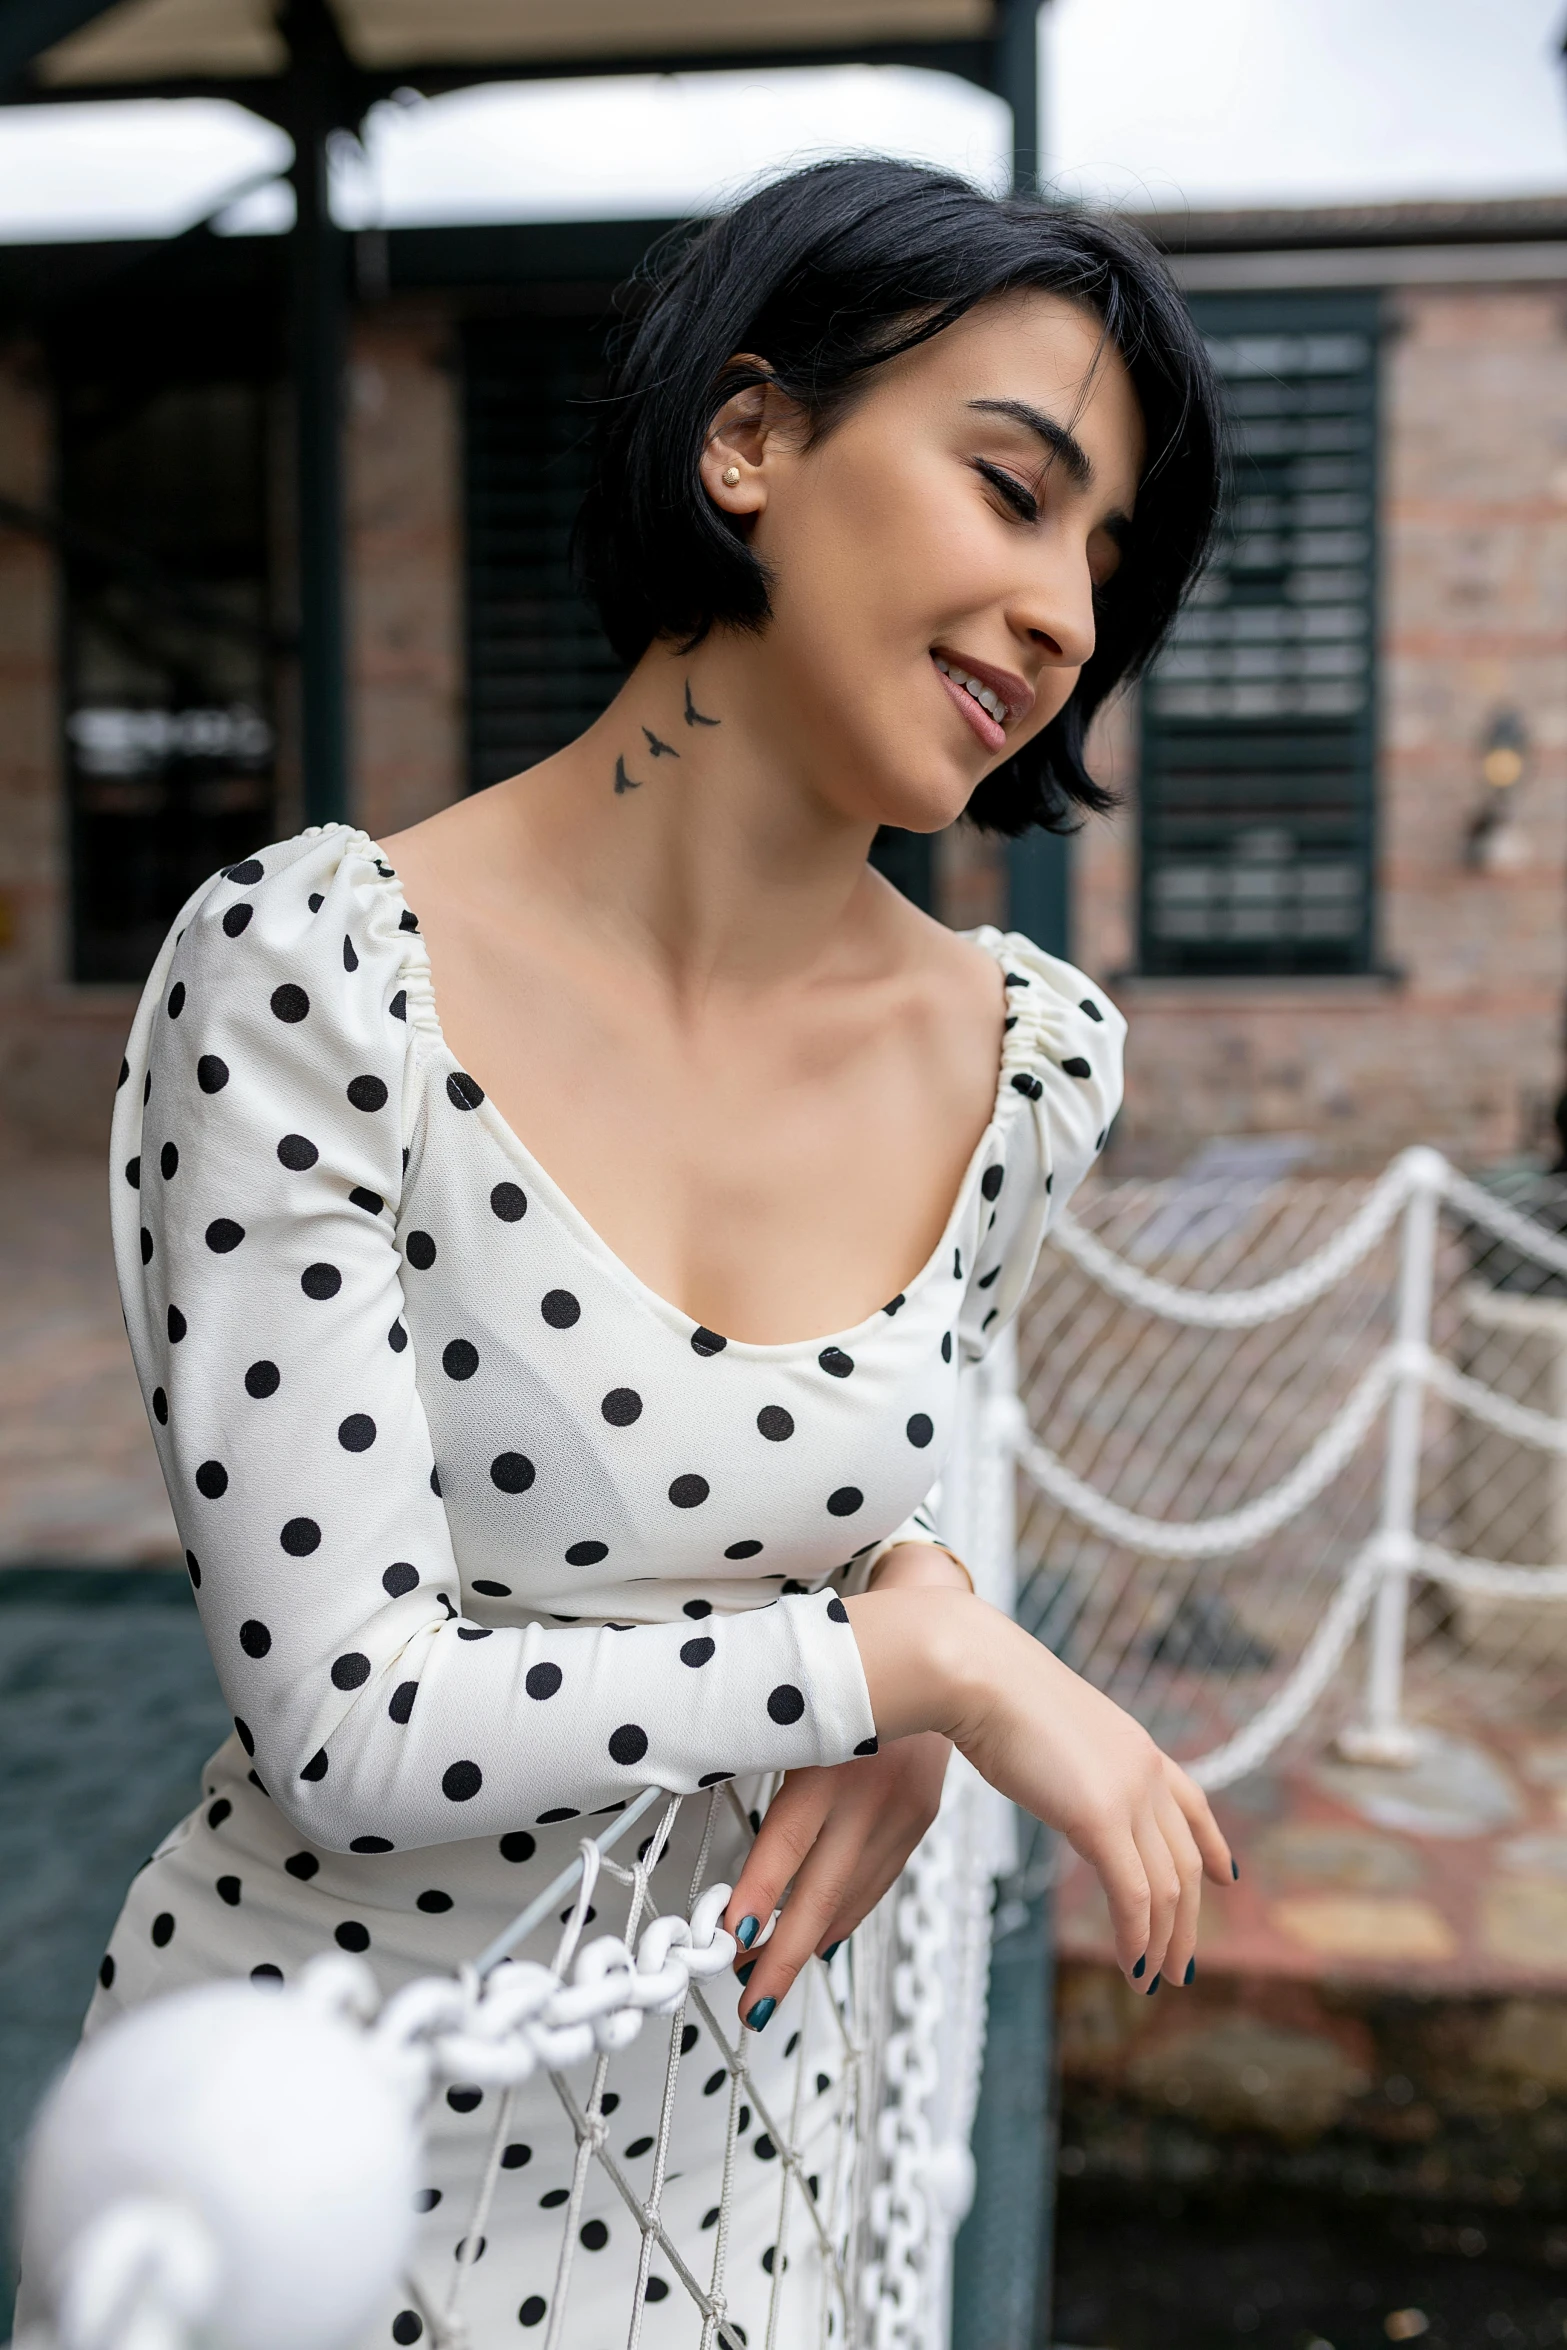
685,829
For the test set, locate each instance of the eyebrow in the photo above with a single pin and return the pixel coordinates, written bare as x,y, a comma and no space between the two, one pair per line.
1056,438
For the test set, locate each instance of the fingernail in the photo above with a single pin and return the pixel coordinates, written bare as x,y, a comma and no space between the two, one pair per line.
1137,1971
1190,1975
747,1971
1154,1985
761,2015
1235,1868
746,1932
831,1952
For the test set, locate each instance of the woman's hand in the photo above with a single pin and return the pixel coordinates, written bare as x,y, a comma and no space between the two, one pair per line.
841,1836
945,1661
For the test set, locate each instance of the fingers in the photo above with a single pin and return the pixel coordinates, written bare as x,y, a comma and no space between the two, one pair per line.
791,1827
1217,1859
1179,1963
807,1924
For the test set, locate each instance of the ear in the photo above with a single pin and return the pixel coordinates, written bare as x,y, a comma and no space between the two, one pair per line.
750,425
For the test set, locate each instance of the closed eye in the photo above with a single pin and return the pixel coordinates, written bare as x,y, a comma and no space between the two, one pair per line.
1012,492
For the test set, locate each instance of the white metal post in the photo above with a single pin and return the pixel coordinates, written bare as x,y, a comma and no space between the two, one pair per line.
1384,1736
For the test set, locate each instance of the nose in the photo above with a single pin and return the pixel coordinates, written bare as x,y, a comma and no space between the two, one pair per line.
1053,604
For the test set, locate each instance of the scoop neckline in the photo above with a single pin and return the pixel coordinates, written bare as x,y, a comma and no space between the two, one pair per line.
590,1238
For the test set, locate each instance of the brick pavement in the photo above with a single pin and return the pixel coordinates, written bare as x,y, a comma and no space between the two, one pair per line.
79,1479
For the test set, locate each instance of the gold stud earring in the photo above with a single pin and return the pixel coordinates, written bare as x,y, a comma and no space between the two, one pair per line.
731,476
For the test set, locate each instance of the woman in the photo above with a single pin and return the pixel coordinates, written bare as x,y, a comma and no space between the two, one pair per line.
550,1307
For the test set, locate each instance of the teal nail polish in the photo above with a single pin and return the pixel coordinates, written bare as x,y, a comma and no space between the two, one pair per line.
1190,1975
1154,1985
831,1952
1137,1971
761,2015
1235,1868
745,1972
746,1932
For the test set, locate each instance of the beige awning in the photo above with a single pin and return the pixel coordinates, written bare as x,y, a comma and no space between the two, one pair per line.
220,40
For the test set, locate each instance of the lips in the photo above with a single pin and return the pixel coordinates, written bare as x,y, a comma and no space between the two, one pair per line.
988,698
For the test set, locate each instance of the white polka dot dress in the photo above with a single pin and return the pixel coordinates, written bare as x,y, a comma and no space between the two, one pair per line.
485,1535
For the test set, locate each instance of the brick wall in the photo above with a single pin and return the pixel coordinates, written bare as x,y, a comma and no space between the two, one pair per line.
1461,1043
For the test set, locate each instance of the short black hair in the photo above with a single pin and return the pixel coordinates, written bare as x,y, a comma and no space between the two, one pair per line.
825,274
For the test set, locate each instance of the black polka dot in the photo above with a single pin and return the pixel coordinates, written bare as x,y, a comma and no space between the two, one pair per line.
350,959
300,1537
160,1407
370,1201
372,1844
1091,1008
177,1325
402,1704
743,1550
510,1202
290,1003
407,919
316,1767
212,1480
228,1889
176,999
991,1181
707,1342
133,1172
786,1703
367,1093
628,1744
303,1865
834,1360
621,1406
297,1153
351,1935
193,1569
492,1590
407,2326
714,1778
320,1282
223,1235
518,1845
593,2235
946,1346
464,2100
920,1430
775,1423
248,870
315,901
398,1007
563,1811
532,2311
125,1070
146,1246
262,1379
212,1073
698,1652
163,1929
435,1481
237,919
400,1577
397,1338
462,1091
106,1971
419,1249
845,1501
1077,1066
868,1746
836,1611
657,2287
459,1358
427,2198
560,1309
357,1432
893,1304
461,1781
1027,1085
586,1554
351,1671
434,1903
542,1680
242,1733
512,1472
168,1161
254,1638
689,1492
219,1812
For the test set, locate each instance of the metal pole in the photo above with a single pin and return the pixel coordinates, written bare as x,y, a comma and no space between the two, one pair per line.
318,260
1384,1736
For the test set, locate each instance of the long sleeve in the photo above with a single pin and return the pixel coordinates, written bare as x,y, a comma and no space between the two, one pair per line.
260,1137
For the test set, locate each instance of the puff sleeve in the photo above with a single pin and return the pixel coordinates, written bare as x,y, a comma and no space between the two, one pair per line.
269,1088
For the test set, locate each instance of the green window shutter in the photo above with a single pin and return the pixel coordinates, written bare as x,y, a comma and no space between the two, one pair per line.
539,669
1257,790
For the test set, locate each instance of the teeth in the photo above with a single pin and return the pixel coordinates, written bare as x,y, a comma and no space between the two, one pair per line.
988,700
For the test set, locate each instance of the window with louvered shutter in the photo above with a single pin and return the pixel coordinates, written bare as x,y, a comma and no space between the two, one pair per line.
1257,785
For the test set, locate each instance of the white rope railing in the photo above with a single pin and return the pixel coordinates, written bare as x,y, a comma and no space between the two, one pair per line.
1404,1372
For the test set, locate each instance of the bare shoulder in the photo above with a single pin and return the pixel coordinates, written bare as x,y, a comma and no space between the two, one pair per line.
946,997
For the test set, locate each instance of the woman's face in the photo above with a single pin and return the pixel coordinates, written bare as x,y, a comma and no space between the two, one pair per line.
954,525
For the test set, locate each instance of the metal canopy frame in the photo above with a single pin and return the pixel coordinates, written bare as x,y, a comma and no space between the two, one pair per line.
323,90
